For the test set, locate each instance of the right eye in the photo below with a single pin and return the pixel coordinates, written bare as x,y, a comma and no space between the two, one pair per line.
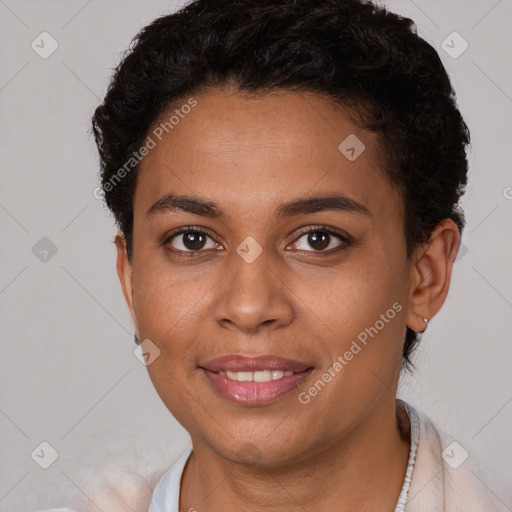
191,240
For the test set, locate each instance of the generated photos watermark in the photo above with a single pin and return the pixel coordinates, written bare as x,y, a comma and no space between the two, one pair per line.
343,360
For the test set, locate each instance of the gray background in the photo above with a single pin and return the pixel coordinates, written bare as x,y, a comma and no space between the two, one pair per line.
68,374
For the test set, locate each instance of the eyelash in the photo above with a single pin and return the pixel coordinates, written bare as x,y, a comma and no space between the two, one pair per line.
345,239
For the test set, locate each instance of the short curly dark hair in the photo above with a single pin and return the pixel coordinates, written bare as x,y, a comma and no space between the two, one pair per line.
351,51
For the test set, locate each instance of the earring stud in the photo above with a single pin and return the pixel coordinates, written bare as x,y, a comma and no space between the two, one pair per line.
426,324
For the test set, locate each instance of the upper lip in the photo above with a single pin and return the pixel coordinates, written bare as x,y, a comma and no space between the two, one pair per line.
241,363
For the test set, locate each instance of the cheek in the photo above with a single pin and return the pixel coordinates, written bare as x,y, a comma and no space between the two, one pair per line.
166,300
175,391
362,326
360,314
350,298
169,311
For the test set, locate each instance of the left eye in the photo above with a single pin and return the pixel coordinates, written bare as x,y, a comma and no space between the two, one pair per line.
319,240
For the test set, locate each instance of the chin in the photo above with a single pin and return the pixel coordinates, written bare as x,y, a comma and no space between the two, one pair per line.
265,450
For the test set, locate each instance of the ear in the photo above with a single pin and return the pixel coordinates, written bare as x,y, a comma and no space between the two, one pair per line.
125,274
431,273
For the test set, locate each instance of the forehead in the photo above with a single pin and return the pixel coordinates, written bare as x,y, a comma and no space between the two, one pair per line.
240,149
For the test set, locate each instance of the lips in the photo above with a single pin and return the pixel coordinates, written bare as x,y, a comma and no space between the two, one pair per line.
254,381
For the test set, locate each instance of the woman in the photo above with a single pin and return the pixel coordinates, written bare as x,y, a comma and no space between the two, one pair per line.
285,176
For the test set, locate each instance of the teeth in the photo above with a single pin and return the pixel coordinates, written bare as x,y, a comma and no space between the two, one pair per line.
257,376
262,376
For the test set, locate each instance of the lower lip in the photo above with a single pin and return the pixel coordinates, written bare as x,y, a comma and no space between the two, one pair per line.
255,393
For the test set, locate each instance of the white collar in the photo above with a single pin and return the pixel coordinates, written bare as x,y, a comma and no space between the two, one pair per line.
166,495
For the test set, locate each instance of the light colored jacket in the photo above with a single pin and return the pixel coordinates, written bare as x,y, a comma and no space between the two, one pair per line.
442,480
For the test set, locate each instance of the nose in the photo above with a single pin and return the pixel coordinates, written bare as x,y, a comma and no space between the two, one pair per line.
253,297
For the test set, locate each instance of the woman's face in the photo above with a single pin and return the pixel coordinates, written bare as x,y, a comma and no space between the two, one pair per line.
255,283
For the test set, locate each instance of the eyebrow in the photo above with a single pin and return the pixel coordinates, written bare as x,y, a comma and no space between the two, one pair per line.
204,208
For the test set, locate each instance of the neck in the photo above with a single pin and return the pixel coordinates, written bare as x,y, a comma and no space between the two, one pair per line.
364,471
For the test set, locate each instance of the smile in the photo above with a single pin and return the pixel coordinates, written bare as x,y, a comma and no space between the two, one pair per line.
254,381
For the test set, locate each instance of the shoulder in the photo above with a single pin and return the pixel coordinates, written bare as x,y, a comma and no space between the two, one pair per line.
149,491
445,477
467,488
56,510
116,490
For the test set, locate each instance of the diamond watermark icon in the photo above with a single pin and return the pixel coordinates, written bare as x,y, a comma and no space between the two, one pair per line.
454,45
454,455
44,250
44,45
44,455
352,147
146,352
249,249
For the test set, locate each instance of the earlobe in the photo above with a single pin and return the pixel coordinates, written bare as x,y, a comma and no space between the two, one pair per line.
431,274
